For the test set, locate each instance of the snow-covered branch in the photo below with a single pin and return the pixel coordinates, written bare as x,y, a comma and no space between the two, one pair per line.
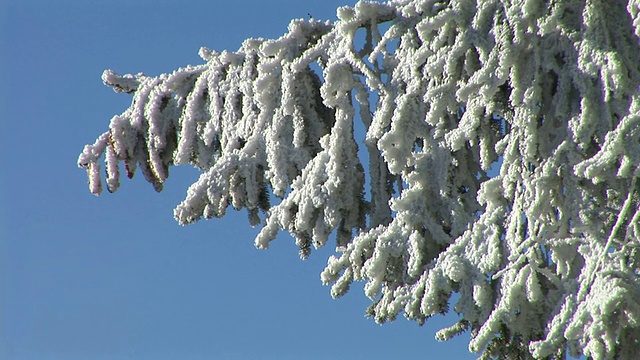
543,253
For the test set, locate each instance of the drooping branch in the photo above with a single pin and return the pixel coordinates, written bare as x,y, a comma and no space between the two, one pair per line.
544,254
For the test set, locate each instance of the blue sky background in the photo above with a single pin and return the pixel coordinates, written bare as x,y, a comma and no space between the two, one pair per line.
115,277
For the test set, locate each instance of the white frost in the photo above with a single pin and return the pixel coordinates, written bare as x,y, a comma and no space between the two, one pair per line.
544,255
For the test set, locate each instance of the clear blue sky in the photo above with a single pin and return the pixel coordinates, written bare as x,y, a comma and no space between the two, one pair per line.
115,277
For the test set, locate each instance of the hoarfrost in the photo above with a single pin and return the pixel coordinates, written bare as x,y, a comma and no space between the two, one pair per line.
544,255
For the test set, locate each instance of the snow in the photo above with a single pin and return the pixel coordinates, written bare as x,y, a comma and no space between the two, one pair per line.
544,251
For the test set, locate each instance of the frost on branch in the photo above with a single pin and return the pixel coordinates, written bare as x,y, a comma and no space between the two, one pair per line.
544,255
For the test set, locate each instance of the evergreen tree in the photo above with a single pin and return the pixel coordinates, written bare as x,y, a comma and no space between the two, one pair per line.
545,254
